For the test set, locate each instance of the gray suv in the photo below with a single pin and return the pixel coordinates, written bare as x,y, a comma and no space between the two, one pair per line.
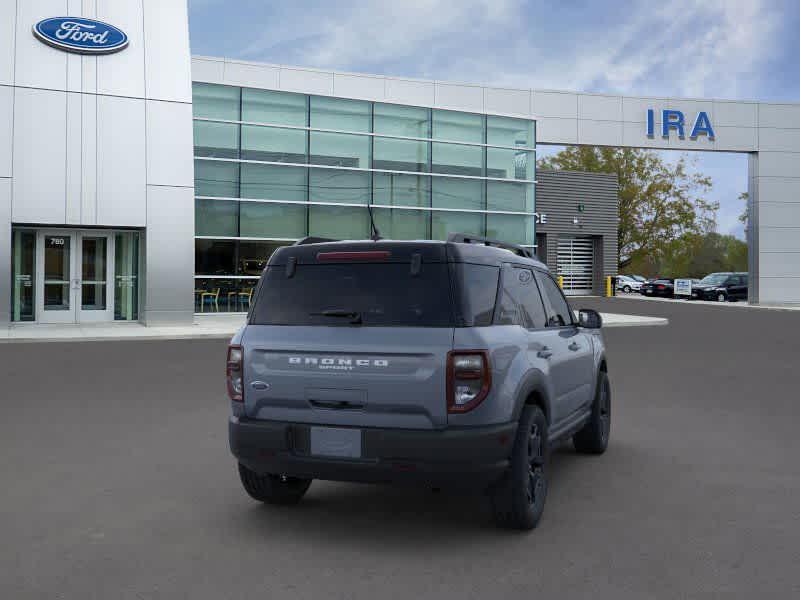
440,363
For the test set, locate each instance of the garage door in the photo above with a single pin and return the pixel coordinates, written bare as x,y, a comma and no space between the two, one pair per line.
576,264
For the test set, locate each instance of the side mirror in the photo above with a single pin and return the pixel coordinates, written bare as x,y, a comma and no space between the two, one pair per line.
590,319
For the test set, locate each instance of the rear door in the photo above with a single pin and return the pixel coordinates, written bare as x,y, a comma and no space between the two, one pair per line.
360,344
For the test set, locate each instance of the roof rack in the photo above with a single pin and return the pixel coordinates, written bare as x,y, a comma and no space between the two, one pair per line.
313,240
466,238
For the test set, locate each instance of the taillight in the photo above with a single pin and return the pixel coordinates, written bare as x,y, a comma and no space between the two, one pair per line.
661,287
469,378
233,373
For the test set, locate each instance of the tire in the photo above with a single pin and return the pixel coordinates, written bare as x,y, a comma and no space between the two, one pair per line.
593,438
721,297
518,502
627,289
273,489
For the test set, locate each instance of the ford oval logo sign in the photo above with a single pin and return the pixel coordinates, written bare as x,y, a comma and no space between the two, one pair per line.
76,34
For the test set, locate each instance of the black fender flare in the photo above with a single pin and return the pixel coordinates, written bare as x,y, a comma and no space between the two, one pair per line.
533,382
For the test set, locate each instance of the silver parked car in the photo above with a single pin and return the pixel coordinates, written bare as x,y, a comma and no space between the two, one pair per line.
628,284
439,363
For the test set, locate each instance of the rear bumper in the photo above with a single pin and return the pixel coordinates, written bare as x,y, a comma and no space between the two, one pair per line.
470,457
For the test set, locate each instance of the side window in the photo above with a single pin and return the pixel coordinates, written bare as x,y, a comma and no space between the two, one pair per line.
558,311
478,285
521,303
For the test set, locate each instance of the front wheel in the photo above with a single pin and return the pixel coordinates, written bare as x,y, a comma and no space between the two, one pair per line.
518,502
273,489
627,289
593,437
721,297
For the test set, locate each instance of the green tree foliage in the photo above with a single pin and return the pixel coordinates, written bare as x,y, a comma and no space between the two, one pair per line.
660,203
694,255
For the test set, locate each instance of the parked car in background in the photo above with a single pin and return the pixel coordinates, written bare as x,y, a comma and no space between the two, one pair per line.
722,287
639,278
662,288
627,284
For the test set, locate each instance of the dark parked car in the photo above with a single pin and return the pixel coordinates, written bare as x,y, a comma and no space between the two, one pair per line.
663,288
721,287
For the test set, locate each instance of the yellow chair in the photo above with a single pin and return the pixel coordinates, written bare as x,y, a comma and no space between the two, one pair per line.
211,298
246,295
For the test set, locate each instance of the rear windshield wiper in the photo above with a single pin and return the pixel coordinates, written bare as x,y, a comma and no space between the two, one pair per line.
354,316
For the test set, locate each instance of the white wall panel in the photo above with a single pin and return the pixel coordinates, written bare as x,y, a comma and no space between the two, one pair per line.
408,91
166,37
39,156
738,139
779,264
601,133
208,70
507,102
8,23
358,86
464,97
779,239
555,104
250,75
735,114
599,108
634,109
169,144
779,164
779,189
5,249
307,81
74,158
779,290
779,115
89,159
6,127
781,140
121,169
122,73
36,64
556,131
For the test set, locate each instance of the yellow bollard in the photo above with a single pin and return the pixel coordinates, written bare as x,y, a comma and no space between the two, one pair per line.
608,287
561,281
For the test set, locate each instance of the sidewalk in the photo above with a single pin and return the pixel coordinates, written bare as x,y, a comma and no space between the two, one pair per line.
208,327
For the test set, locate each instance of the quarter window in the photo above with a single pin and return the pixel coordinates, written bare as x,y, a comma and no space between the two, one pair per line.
521,303
558,311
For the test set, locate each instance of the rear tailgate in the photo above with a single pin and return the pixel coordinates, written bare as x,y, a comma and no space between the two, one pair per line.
359,376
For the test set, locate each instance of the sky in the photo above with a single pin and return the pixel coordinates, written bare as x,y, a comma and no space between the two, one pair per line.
732,49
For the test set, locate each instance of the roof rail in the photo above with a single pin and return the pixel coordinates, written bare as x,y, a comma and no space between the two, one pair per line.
467,238
313,240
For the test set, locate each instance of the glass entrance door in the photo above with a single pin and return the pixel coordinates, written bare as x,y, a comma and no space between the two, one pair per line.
74,272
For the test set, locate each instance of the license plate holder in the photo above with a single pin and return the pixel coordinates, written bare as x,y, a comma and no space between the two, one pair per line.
335,442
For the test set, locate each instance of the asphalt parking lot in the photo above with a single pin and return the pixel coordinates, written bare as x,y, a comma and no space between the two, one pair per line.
117,483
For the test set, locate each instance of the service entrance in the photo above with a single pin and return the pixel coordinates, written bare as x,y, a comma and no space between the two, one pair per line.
74,270
575,264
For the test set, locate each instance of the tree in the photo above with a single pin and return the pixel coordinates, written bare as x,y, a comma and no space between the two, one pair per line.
659,202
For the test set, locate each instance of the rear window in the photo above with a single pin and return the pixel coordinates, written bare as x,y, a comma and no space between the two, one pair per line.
378,295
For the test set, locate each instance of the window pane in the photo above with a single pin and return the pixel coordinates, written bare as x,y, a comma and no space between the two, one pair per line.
457,159
126,276
214,257
253,257
510,228
400,155
445,223
339,150
336,185
215,101
216,217
506,131
213,178
273,144
401,190
216,139
558,312
457,126
521,303
478,292
408,121
451,192
259,219
216,295
506,195
281,108
336,113
273,182
338,222
509,164
400,224
23,259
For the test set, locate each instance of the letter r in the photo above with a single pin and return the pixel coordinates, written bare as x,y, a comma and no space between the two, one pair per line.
672,119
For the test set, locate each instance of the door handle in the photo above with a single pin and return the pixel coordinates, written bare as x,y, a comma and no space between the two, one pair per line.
574,347
545,352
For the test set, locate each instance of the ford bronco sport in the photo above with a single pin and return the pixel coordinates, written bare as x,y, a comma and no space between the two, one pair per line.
441,363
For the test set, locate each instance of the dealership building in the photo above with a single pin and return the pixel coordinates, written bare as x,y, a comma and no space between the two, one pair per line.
139,183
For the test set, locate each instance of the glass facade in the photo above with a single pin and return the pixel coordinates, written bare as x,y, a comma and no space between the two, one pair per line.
272,167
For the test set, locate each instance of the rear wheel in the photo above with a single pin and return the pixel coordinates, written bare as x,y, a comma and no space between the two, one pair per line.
273,489
593,438
518,502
